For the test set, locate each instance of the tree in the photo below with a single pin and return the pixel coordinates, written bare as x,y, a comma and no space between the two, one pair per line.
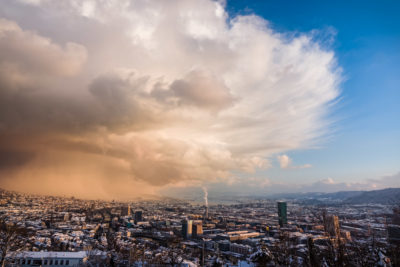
174,257
9,236
363,254
283,252
263,257
94,258
394,254
217,262
312,257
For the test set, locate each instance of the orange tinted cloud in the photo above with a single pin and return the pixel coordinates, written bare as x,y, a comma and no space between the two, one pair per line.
122,99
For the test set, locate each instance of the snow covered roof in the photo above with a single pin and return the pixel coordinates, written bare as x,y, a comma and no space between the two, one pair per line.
48,254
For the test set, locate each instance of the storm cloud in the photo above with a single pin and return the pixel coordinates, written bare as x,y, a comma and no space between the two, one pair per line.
119,98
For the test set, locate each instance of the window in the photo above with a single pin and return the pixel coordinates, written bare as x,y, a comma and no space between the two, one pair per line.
66,262
29,262
61,262
51,262
45,262
56,262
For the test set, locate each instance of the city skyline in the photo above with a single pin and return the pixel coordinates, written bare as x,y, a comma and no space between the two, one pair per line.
137,98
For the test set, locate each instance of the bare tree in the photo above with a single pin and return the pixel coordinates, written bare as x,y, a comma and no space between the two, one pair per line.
312,258
394,254
9,237
174,257
283,251
263,257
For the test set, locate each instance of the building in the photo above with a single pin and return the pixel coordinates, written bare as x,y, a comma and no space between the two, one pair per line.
126,211
223,245
138,216
394,233
282,213
205,216
332,225
396,216
240,249
33,258
187,228
242,235
237,235
197,229
346,235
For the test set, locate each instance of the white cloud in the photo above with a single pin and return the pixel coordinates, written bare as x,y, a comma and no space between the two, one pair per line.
286,163
27,58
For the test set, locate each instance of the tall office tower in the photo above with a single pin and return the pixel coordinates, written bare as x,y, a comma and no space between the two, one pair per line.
186,229
332,225
197,229
205,216
126,211
282,213
138,216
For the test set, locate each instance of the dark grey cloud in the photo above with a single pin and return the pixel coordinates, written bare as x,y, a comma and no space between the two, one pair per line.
10,159
203,90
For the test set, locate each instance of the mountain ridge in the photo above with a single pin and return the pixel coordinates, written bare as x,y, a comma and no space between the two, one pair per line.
381,196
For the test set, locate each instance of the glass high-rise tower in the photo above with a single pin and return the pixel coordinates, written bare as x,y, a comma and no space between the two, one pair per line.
282,213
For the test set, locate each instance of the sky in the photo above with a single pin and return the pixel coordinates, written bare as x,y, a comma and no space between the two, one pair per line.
119,99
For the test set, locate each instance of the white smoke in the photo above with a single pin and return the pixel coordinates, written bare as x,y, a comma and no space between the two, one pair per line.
205,196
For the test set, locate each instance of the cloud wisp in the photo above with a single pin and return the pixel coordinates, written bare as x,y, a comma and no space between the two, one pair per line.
122,98
286,163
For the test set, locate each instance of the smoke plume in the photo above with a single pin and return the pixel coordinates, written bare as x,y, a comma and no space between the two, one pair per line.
205,196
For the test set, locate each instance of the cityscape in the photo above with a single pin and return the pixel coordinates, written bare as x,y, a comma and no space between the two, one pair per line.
199,133
61,231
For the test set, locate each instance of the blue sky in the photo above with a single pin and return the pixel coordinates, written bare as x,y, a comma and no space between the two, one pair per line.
365,140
